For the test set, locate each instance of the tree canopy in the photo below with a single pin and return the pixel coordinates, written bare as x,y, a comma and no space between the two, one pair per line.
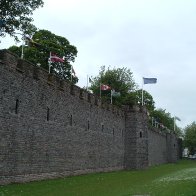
38,52
121,80
190,137
118,79
15,16
148,99
164,118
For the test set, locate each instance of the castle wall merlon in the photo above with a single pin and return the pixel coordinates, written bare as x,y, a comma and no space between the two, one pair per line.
8,58
158,131
25,67
28,69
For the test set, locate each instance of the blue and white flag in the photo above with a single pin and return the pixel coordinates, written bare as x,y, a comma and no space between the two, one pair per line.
147,81
150,80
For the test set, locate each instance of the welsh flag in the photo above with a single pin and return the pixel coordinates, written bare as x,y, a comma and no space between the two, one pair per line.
55,58
105,87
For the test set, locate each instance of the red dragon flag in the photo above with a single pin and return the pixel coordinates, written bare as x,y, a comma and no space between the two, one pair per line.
105,87
55,58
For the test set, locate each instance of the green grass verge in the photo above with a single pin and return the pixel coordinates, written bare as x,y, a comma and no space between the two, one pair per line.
165,180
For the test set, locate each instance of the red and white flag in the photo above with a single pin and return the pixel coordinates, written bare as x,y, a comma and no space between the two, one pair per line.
105,87
55,58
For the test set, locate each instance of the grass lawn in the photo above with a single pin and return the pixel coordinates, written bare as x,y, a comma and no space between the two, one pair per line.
168,180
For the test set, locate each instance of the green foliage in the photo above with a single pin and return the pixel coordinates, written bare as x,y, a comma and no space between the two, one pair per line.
179,131
190,137
161,116
148,99
164,180
16,16
130,99
164,118
119,79
43,42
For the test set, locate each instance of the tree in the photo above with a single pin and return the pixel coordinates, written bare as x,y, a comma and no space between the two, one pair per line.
38,51
148,99
135,98
190,137
164,118
15,15
119,79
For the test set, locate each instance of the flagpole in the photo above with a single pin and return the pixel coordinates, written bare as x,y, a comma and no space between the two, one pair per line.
152,121
142,92
111,96
23,41
71,72
100,90
87,84
22,54
49,62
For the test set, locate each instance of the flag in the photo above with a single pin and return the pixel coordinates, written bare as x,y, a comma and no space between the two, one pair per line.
114,93
90,80
147,81
55,58
27,40
177,118
31,43
150,80
105,87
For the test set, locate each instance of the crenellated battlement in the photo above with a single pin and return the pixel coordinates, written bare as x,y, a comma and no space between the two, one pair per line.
27,69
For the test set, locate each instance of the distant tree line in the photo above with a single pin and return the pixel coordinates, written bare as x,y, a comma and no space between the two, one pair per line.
190,138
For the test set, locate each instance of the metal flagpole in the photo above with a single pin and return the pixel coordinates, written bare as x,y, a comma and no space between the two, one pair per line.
22,54
87,84
100,90
49,62
71,72
111,96
142,92
175,118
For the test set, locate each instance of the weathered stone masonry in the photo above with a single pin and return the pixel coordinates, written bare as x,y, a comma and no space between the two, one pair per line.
50,128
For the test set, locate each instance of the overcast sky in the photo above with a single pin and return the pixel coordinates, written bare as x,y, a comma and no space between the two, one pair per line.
153,38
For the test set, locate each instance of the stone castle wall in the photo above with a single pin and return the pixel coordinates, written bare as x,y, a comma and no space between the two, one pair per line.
50,128
162,147
157,147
